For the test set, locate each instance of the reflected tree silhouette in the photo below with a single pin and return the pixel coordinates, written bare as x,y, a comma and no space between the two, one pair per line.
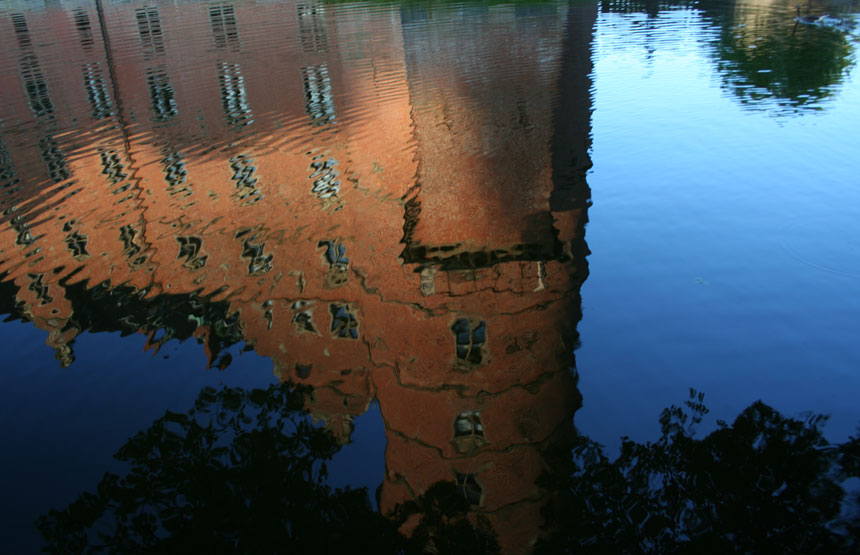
244,471
764,58
764,484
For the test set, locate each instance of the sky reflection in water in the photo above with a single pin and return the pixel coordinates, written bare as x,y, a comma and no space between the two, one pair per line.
389,203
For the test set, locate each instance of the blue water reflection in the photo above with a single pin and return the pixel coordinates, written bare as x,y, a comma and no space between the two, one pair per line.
387,202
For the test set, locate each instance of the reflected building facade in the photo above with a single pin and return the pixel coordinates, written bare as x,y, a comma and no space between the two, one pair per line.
343,191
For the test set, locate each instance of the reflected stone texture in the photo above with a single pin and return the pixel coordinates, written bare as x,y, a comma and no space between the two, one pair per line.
387,211
343,192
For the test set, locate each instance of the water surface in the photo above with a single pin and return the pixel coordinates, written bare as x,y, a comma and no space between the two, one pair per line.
422,212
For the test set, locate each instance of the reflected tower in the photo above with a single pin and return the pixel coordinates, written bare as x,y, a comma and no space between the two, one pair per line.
399,217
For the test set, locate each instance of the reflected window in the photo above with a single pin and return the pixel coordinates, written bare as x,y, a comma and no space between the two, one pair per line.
162,95
319,100
23,236
38,287
85,30
303,371
337,273
343,321
54,159
326,183
97,91
312,31
303,317
234,99
468,424
9,180
75,242
22,33
175,174
112,166
470,338
245,179
468,486
189,249
225,30
151,36
129,236
258,261
36,87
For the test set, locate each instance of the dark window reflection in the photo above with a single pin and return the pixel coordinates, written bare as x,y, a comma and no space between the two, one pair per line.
225,30
149,28
85,30
97,91
161,92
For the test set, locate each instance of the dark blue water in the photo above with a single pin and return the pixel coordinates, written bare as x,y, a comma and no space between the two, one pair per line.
673,187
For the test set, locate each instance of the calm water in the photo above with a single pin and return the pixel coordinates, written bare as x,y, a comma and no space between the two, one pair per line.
470,229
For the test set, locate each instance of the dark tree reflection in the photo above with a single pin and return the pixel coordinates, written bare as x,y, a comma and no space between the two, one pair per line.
767,60
244,471
764,484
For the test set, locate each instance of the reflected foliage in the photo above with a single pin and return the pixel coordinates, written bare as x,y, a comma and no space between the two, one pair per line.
764,484
765,58
127,310
438,520
244,471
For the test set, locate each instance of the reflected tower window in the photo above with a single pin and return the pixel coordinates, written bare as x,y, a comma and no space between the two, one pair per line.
151,36
326,183
129,236
468,424
312,31
112,166
85,30
225,30
36,87
471,339
338,264
468,486
189,249
245,179
75,242
21,226
258,262
303,317
319,101
9,180
234,99
175,174
344,324
97,91
469,433
161,92
22,33
54,160
38,287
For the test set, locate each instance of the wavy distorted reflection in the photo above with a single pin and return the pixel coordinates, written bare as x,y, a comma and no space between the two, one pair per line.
380,222
244,471
342,191
763,57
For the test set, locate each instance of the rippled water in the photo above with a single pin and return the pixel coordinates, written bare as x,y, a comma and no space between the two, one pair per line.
419,210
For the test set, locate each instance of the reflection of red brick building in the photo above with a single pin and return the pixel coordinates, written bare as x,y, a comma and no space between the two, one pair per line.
415,240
